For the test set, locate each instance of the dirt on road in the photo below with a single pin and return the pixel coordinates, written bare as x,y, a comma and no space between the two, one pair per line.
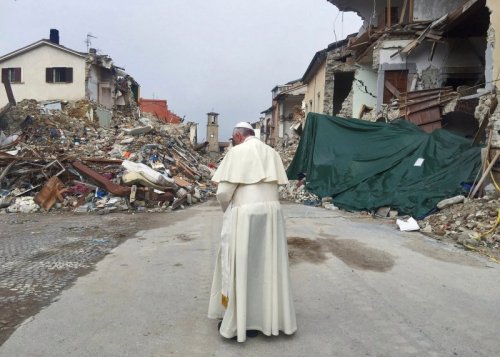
42,254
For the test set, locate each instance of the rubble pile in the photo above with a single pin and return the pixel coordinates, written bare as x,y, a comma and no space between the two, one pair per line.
287,150
60,155
388,113
295,190
472,223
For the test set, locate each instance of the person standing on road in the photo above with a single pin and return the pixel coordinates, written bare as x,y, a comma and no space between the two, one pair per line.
251,289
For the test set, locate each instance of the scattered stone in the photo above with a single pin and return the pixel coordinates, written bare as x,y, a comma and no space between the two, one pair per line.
450,201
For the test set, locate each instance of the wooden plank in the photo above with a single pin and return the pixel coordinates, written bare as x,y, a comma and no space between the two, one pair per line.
432,90
424,106
426,116
359,44
8,90
433,50
434,37
412,97
485,174
100,180
429,128
444,97
392,88
388,14
403,11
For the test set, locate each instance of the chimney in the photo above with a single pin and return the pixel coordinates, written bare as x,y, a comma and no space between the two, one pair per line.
54,36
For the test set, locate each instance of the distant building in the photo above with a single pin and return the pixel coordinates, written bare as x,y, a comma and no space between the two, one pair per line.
287,105
213,132
46,70
159,108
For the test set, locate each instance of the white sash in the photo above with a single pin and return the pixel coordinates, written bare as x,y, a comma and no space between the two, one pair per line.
225,257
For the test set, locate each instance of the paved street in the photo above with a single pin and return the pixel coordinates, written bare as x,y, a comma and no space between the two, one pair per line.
361,288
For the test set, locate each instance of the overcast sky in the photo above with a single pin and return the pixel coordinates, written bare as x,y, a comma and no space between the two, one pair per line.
199,55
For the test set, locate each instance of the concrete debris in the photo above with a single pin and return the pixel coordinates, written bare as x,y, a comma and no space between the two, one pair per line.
450,201
60,156
138,130
471,222
23,205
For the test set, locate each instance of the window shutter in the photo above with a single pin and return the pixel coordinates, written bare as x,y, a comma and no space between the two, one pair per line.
5,74
69,75
49,75
17,75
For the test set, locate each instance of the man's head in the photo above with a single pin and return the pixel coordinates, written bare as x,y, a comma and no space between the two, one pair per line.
241,131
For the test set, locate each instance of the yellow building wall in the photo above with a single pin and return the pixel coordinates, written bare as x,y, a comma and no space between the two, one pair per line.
315,93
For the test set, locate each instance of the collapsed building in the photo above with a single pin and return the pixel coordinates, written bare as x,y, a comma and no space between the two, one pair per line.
422,60
414,66
285,110
48,71
60,158
72,137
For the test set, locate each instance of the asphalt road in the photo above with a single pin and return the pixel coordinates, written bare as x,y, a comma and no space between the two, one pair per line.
361,288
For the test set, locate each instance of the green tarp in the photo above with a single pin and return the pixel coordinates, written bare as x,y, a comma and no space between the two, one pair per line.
365,165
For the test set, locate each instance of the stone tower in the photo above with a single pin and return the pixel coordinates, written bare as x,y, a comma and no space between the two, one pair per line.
213,132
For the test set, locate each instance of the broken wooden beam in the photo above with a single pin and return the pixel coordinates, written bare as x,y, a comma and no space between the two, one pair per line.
485,174
100,180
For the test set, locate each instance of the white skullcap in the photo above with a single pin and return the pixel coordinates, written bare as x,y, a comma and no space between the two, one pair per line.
243,124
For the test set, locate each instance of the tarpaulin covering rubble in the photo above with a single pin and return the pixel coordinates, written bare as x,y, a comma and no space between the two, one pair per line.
366,165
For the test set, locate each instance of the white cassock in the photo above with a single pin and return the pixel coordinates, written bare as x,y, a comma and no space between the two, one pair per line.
251,285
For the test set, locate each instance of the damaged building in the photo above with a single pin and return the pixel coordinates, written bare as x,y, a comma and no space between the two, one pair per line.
414,57
329,78
46,70
432,63
286,109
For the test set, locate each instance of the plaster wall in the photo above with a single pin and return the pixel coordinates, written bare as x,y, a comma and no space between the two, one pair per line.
193,134
33,85
92,84
213,137
457,54
364,89
99,86
494,7
315,93
432,9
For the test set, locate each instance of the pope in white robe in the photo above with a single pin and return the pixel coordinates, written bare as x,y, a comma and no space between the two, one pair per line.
251,285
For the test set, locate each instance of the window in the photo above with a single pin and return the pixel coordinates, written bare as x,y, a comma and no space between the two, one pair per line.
59,75
13,75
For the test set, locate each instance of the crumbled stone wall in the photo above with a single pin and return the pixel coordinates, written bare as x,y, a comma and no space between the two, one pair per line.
494,124
430,78
329,83
346,111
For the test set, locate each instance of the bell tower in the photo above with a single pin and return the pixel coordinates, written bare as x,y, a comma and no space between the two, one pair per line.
213,132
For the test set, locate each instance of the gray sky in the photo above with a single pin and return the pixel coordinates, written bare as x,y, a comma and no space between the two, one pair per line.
199,55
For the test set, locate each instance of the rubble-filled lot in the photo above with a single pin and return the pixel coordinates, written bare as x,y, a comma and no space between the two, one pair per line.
42,254
473,224
60,156
63,167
